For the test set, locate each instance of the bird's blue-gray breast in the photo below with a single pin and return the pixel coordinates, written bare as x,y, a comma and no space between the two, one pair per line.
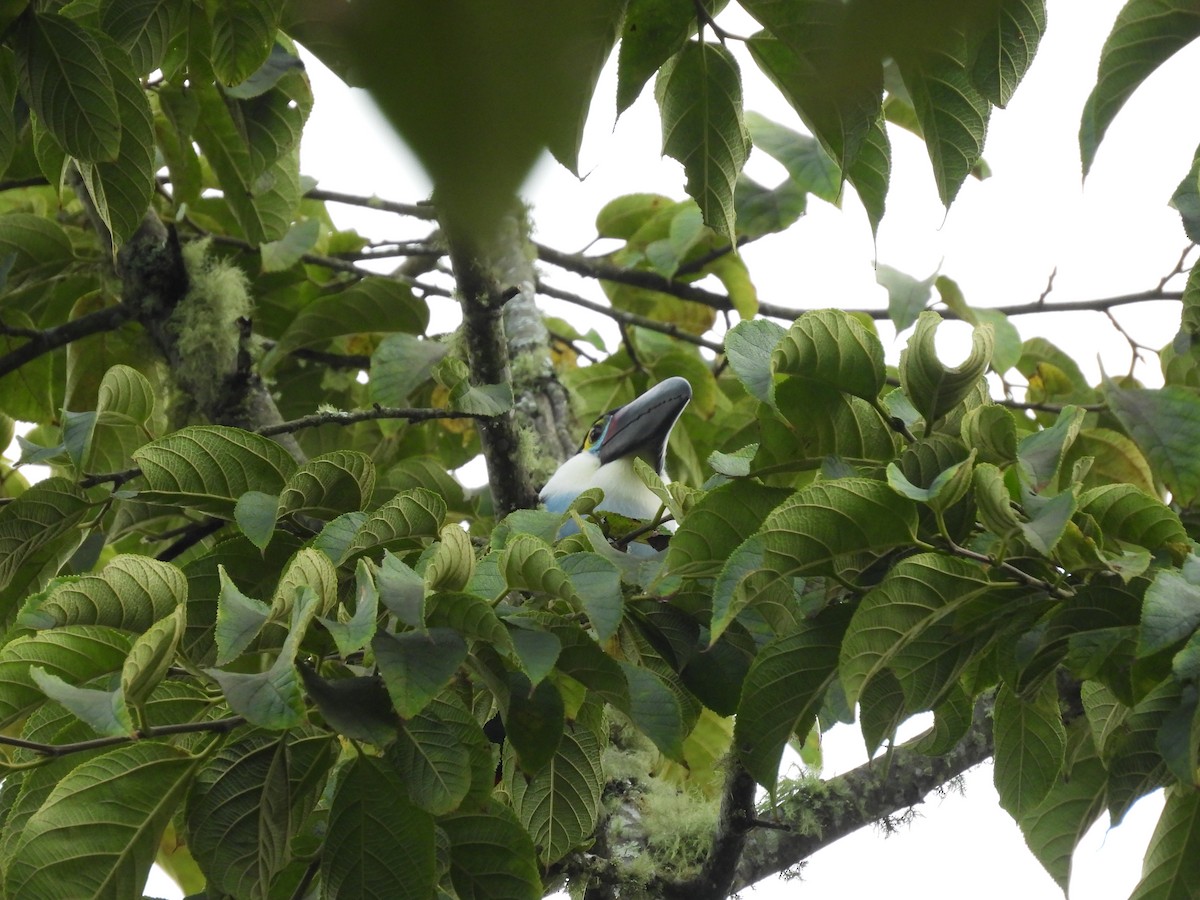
637,429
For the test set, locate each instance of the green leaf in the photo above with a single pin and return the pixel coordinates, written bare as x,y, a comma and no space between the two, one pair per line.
328,485
1171,610
1146,34
121,187
536,650
1048,520
834,349
262,202
559,805
907,296
653,32
411,514
65,80
784,690
239,620
1134,760
35,528
908,625
356,706
819,526
1126,513
1172,864
723,518
354,631
1165,424
952,113
528,564
1005,52
591,43
761,211
416,665
284,253
699,93
1041,453
307,570
243,34
834,87
432,754
1030,743
131,593
74,653
1055,826
144,28
8,124
467,397
749,347
401,364
933,388
151,656
38,246
111,809
378,844
807,163
272,699
946,489
104,711
208,467
492,856
598,584
374,304
402,591
452,562
280,61
463,108
255,517
533,721
655,710
1115,459
239,815
125,417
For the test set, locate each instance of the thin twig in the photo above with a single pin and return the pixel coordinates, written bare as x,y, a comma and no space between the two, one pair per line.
1179,268
1009,569
628,318
1009,403
191,536
350,417
424,211
216,726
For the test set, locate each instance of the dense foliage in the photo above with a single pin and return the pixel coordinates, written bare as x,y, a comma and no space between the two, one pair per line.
254,628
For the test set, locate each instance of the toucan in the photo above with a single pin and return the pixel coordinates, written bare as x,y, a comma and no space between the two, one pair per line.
640,428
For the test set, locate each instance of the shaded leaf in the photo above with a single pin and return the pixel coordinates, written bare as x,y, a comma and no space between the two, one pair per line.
699,93
113,809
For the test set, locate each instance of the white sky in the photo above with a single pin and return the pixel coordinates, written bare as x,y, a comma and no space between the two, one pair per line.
1000,241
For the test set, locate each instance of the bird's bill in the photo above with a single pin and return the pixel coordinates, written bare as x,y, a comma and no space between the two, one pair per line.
643,425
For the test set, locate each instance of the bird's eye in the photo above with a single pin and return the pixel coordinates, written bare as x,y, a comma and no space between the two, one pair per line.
594,435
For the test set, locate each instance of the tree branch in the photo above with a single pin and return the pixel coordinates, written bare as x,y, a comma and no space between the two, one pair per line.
108,319
832,809
482,297
734,823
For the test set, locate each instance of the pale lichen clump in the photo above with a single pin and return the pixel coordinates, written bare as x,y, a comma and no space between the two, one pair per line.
205,324
656,829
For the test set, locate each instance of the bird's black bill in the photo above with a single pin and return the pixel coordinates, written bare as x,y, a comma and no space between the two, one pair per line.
643,425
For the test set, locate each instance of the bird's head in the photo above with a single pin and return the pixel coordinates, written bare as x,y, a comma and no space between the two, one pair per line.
640,428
